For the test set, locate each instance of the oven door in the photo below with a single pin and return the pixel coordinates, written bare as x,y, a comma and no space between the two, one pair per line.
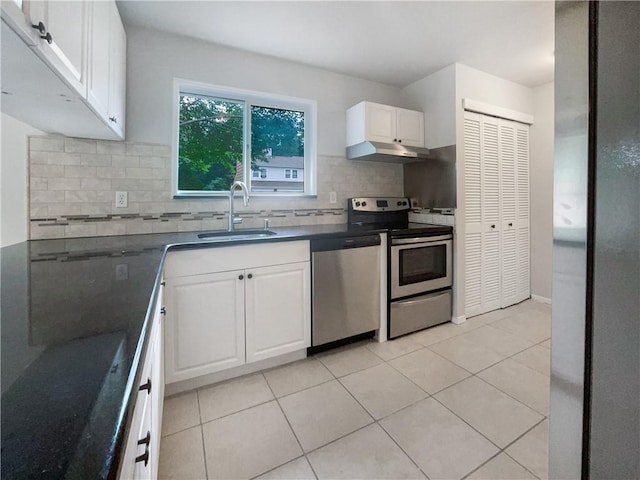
420,265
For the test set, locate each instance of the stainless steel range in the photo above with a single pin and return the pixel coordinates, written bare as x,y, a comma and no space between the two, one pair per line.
420,270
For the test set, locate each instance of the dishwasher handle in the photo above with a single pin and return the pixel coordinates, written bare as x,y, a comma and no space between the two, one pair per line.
342,243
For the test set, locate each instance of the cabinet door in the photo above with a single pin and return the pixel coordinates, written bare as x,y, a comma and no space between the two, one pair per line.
410,127
278,310
98,78
204,324
380,123
157,382
143,468
66,22
117,71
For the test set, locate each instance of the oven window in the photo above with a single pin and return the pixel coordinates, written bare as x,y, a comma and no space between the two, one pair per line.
422,264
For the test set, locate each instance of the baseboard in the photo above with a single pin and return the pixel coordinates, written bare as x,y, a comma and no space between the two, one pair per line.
539,299
459,320
193,383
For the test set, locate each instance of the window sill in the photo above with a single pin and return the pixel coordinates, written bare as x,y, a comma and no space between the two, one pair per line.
225,195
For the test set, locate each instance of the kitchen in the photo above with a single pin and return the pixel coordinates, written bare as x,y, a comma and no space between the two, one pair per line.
155,58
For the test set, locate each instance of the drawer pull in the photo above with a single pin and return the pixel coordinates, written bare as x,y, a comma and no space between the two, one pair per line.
146,386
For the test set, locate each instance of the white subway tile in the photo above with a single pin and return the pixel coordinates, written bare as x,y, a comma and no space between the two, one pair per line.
38,183
64,183
38,232
46,144
112,227
49,171
110,172
125,184
95,159
60,209
105,146
80,145
38,211
80,230
139,172
107,197
141,196
36,157
154,162
139,149
73,196
64,158
47,196
79,172
125,161
99,208
164,173
133,227
95,184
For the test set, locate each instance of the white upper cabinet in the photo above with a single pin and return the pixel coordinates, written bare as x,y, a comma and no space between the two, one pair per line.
63,24
66,64
107,67
375,122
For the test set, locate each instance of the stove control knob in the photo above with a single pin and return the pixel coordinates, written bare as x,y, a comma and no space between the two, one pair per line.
364,204
404,203
399,204
357,204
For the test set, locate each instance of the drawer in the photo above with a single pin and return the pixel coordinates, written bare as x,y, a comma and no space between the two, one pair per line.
198,261
419,312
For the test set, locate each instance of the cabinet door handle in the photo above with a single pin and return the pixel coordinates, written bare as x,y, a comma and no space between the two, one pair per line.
399,140
146,440
163,311
40,27
146,386
395,139
47,37
113,119
240,277
144,457
250,276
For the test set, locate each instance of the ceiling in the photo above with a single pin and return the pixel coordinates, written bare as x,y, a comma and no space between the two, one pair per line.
392,42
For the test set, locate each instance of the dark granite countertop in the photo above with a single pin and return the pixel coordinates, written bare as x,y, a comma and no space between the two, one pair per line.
74,323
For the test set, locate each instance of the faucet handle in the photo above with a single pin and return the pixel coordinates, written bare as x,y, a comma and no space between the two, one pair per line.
237,220
266,224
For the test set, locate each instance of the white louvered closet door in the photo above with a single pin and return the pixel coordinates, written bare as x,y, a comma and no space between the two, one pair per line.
509,257
522,220
473,214
496,173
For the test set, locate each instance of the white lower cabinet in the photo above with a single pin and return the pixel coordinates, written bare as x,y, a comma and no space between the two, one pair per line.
257,309
204,330
277,301
142,447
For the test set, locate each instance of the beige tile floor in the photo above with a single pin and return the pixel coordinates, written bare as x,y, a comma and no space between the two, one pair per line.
450,402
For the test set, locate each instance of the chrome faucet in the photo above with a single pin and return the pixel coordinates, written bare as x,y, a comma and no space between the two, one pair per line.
245,197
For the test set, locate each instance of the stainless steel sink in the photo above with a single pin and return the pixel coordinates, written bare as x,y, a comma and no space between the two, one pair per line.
236,234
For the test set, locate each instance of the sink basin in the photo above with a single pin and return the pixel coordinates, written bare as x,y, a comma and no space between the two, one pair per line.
237,234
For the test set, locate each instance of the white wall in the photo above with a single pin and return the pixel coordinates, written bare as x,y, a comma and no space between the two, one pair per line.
435,95
482,87
14,180
154,59
541,181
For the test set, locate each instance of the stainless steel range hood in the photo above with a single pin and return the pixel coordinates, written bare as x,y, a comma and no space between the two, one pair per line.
387,152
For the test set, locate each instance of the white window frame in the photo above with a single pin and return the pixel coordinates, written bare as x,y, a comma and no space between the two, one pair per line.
309,107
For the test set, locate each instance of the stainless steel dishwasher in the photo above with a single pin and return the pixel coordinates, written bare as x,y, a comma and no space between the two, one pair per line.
345,287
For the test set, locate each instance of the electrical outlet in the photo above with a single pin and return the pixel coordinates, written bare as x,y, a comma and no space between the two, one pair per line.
333,198
121,199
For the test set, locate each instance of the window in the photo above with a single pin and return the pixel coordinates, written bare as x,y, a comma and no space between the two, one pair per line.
225,135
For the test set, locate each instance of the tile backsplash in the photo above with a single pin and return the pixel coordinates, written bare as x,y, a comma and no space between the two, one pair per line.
72,185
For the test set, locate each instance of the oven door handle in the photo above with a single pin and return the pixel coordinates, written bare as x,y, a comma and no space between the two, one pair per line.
409,241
